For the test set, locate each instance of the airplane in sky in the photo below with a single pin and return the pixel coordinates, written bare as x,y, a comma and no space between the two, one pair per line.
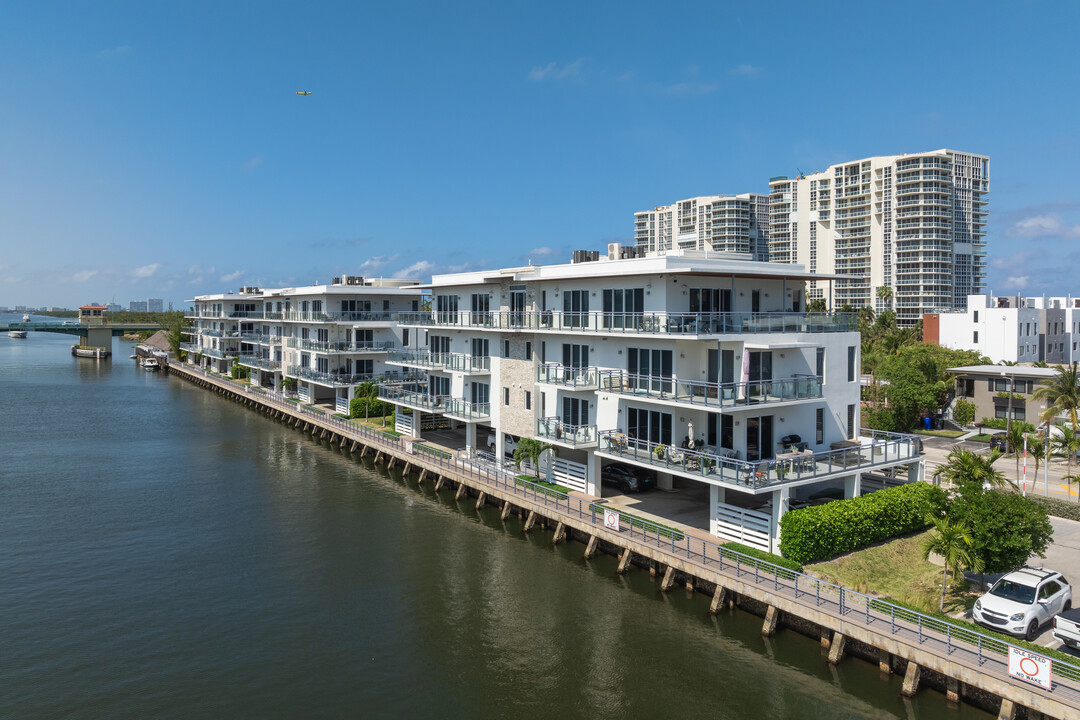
303,92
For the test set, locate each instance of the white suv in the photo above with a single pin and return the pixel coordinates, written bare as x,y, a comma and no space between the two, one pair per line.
1023,601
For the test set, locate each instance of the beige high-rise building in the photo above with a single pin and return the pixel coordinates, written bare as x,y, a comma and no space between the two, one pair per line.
721,223
914,223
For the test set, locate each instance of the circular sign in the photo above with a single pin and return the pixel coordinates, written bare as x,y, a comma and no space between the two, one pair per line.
1029,666
611,519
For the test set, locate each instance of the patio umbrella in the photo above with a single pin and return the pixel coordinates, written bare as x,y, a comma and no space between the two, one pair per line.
690,433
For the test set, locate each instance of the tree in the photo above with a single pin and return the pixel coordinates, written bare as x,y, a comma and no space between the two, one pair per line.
1070,479
531,448
1006,528
1015,437
1036,448
816,306
884,292
952,541
1066,443
964,412
964,468
918,382
1061,393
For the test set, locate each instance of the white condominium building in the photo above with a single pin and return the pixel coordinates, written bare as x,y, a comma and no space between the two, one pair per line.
329,338
723,223
697,371
915,224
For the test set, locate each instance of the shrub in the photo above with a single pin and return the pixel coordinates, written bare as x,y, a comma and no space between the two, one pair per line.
1002,423
1057,507
817,533
964,412
727,548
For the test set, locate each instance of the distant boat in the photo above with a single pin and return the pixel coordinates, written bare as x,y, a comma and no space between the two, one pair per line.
16,333
26,317
151,364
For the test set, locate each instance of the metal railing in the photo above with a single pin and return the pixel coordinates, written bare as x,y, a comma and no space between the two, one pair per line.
697,392
672,323
414,399
912,628
261,363
340,316
459,362
759,474
575,377
555,429
328,346
339,378
467,410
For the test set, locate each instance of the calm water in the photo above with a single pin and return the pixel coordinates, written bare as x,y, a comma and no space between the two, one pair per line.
165,553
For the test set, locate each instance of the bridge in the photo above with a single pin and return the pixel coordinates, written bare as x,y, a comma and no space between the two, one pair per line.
82,329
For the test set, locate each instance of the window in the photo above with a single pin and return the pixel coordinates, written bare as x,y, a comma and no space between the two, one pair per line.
386,305
755,301
575,356
528,350
975,337
447,307
575,411
479,347
851,363
651,366
322,364
710,300
506,348
506,396
575,308
648,426
850,422
481,306
405,337
976,317
439,344
528,400
543,352
821,363
820,426
623,307
316,306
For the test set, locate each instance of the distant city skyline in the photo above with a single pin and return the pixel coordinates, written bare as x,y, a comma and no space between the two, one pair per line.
162,151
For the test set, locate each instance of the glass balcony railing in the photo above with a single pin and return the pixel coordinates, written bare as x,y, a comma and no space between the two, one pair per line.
575,377
554,428
658,323
326,346
340,316
261,363
414,399
877,449
458,362
696,392
467,410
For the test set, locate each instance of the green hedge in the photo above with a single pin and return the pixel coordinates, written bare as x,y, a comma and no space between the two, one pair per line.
817,533
1002,423
1058,508
728,550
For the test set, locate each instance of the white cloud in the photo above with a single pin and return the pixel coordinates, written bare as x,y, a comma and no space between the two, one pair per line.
146,270
552,71
541,252
115,52
252,162
232,276
84,275
1042,226
421,268
1018,282
200,270
750,71
374,264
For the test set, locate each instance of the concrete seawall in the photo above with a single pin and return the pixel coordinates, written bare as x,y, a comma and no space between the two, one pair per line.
689,557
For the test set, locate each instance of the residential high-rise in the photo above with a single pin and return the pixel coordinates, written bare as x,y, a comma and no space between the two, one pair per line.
915,224
137,306
721,223
155,305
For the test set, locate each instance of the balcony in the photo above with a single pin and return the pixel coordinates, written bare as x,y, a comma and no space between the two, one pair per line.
416,400
455,362
325,346
465,410
340,317
259,363
219,354
880,449
338,378
191,347
556,431
663,323
711,394
579,378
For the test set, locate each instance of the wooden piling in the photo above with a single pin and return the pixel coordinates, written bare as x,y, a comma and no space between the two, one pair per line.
669,579
560,533
590,549
911,680
836,651
772,619
624,561
481,500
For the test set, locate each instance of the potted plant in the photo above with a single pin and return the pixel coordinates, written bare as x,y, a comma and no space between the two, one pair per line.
658,451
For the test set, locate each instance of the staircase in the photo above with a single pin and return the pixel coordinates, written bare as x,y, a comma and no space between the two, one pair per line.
947,416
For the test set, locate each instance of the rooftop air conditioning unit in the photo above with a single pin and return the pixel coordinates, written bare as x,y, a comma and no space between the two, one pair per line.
614,250
352,280
336,281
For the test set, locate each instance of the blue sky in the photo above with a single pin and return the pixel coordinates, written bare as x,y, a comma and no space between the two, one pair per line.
160,150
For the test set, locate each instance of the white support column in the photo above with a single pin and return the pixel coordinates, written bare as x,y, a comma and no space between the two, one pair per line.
500,446
470,438
592,474
779,508
717,495
916,471
663,480
853,485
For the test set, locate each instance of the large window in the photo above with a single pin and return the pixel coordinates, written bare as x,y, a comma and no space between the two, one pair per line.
446,308
575,308
759,437
851,363
575,411
575,356
710,300
648,426
653,368
623,307
481,308
439,344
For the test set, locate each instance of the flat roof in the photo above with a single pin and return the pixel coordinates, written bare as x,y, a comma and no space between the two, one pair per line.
1007,370
93,307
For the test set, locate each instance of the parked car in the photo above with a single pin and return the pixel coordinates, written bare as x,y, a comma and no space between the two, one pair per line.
999,441
1067,628
626,479
509,441
1023,601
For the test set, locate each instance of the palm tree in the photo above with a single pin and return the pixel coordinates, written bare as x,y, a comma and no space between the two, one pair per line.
1073,479
1061,393
952,541
531,448
1067,443
885,293
1036,446
1015,437
963,467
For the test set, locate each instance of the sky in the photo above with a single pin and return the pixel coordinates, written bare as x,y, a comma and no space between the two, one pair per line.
159,149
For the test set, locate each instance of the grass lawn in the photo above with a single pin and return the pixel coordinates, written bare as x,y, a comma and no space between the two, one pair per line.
941,433
981,438
896,569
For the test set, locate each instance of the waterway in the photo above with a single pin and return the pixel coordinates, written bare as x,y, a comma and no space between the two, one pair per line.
165,553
